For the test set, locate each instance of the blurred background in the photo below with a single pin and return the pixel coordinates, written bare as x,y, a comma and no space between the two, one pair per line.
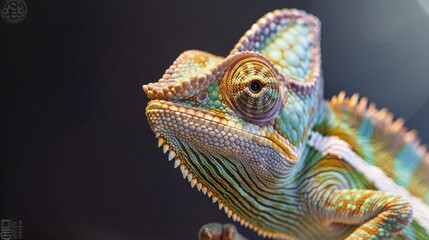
78,160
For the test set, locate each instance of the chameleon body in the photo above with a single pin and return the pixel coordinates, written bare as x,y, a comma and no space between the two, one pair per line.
254,133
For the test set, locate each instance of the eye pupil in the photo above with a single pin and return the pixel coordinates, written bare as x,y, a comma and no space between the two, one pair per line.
255,86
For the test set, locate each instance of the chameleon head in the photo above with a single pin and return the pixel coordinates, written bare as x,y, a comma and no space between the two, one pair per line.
235,126
227,130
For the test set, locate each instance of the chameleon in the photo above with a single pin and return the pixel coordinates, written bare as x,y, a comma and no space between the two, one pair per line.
254,133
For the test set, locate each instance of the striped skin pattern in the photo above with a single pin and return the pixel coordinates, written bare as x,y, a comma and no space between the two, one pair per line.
253,132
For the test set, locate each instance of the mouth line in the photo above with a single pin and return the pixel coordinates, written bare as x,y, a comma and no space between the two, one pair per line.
202,117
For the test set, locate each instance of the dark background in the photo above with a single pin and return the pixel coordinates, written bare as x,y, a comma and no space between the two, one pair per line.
78,160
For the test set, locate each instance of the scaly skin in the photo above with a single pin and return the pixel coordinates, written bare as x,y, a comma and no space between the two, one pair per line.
253,132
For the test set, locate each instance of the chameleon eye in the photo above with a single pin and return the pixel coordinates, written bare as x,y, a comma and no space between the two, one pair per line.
251,87
255,86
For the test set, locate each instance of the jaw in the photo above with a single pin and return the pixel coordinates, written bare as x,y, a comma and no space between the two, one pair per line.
217,154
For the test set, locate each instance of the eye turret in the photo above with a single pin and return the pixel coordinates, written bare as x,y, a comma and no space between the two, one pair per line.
252,87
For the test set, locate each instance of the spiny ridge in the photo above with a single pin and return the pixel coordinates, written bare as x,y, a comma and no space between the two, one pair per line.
385,126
